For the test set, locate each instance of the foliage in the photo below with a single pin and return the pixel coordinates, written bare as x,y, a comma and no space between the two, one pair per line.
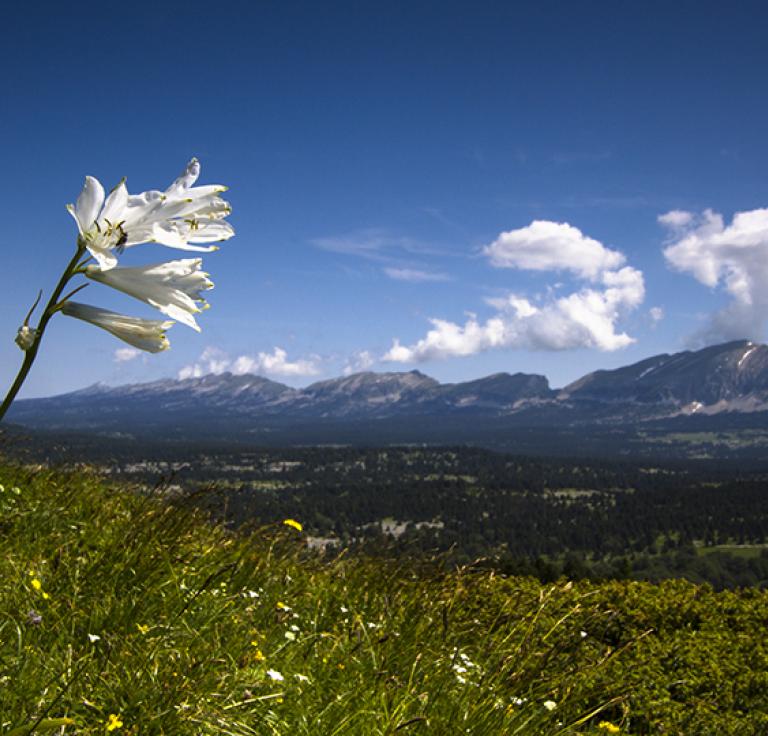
546,517
131,616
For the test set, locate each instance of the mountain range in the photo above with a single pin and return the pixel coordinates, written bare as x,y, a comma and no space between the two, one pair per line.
720,381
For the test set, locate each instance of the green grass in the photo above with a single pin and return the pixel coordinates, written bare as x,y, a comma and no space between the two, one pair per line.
118,609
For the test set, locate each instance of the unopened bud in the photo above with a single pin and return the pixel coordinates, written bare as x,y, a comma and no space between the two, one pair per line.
25,337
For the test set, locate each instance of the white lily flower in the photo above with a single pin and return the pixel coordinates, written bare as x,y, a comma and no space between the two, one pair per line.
180,217
175,288
25,337
144,334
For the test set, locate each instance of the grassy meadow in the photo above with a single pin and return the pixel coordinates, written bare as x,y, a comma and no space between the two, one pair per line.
122,614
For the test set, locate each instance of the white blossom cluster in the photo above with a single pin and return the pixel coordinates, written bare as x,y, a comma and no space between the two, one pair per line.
183,216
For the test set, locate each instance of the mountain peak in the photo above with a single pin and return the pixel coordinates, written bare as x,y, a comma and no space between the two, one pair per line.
728,377
713,374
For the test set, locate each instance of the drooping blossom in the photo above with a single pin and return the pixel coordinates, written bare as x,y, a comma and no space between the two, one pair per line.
175,288
144,334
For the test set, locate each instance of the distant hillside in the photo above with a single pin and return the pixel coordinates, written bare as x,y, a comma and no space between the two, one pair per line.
722,382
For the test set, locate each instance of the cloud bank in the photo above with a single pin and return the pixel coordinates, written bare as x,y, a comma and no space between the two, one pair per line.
731,257
275,363
585,318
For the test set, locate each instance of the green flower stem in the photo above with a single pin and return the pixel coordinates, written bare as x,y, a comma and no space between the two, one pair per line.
48,312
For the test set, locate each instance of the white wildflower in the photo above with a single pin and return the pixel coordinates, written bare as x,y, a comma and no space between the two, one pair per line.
180,217
175,287
144,334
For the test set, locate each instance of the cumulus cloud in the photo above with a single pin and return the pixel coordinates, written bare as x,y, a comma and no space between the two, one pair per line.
123,355
552,246
275,363
731,257
656,314
675,219
414,275
587,317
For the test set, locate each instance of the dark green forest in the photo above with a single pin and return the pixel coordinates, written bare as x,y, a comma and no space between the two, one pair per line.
703,520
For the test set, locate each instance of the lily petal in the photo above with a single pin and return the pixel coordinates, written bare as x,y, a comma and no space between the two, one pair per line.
214,231
104,257
172,236
116,202
89,203
186,179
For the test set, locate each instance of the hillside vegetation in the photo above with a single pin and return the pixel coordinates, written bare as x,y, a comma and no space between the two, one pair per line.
122,614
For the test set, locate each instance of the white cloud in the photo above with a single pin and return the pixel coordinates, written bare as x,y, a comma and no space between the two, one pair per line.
552,246
675,218
275,363
656,314
585,318
733,257
191,371
216,359
123,355
414,275
360,361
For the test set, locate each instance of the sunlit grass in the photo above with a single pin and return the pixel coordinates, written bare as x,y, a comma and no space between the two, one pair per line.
129,616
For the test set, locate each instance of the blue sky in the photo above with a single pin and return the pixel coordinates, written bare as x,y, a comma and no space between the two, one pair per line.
498,167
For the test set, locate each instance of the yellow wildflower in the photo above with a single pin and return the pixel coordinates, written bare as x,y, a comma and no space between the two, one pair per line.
282,607
609,727
295,524
258,655
143,628
36,584
114,722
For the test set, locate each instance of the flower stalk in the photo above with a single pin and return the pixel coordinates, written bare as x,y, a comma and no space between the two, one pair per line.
50,309
184,217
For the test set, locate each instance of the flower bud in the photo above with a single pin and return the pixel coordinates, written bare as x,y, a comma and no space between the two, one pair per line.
25,337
